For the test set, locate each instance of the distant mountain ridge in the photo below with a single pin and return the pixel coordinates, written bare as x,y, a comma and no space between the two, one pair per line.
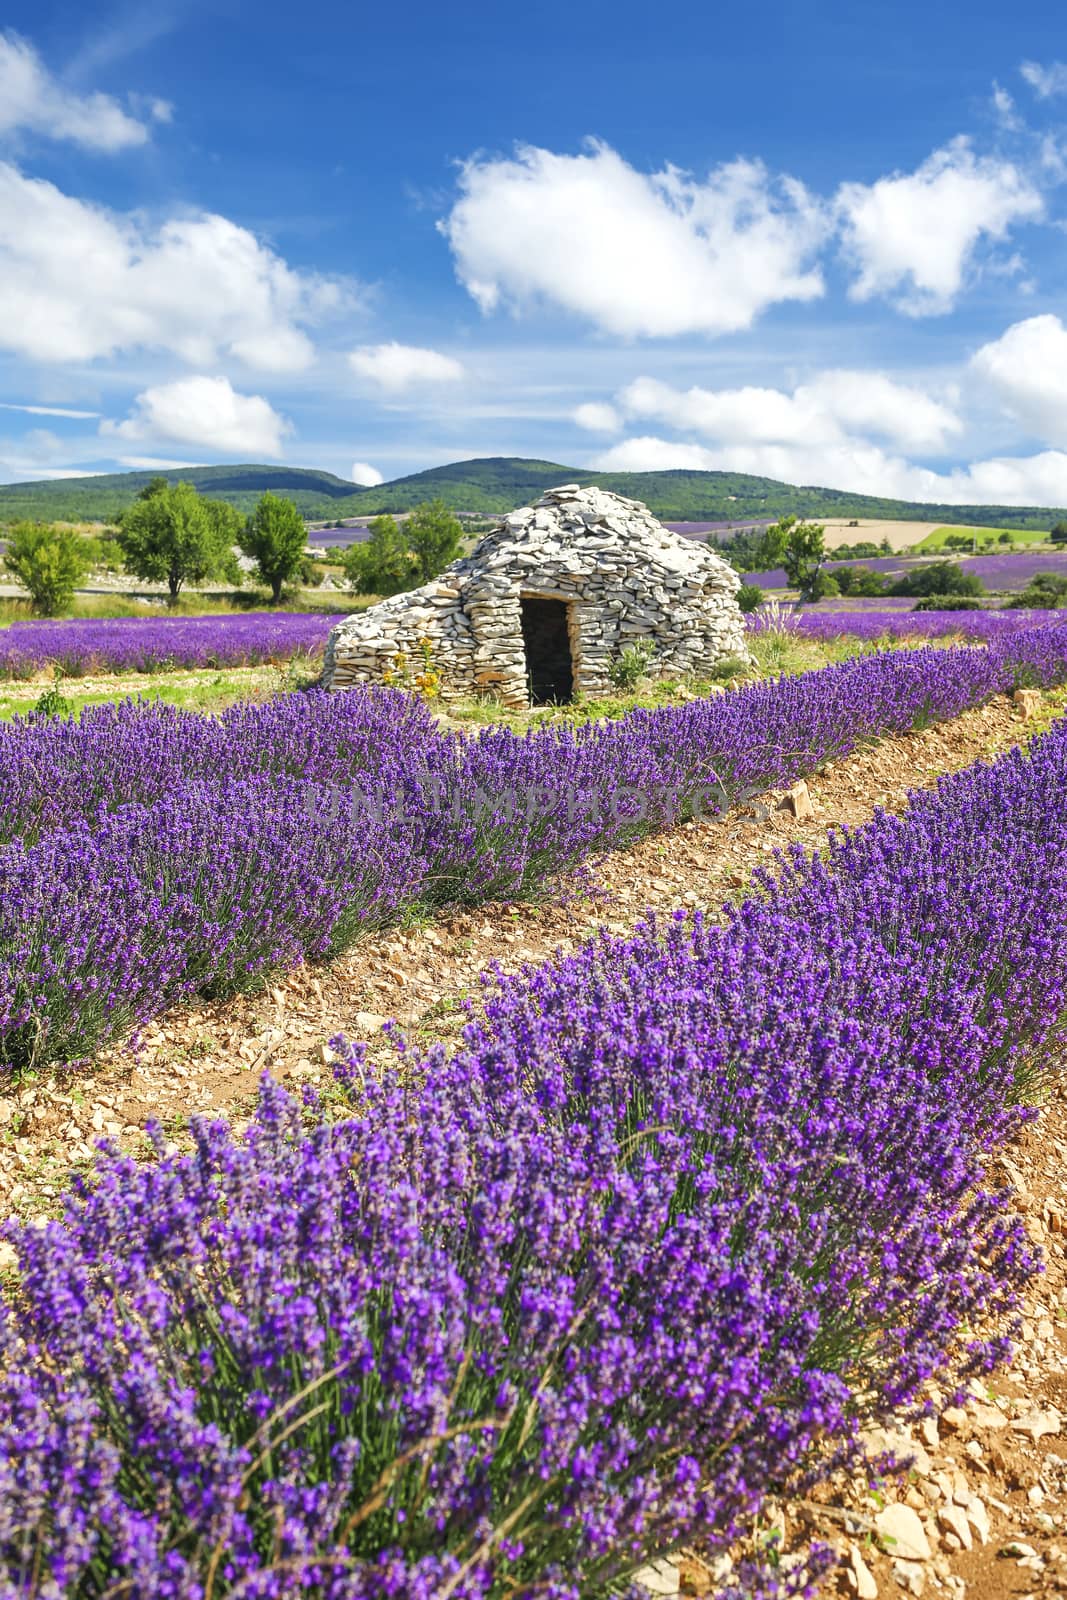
493,484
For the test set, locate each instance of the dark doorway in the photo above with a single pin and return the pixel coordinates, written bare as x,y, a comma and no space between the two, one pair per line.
549,668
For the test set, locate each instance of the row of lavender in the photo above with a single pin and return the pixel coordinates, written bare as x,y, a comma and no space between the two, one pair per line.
148,854
151,644
684,1213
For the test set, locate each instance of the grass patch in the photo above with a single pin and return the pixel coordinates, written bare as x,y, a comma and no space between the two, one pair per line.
204,689
988,540
234,603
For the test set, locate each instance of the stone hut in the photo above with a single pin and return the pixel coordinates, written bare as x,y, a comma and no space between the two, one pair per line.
548,600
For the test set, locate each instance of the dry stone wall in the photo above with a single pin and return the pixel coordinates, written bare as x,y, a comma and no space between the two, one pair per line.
621,574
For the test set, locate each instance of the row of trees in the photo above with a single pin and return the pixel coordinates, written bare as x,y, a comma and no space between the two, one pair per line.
171,534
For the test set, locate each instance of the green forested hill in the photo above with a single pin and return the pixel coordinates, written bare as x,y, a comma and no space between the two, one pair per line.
496,484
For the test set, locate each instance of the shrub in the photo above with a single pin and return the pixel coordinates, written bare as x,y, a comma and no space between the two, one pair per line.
749,597
631,664
939,577
48,562
947,602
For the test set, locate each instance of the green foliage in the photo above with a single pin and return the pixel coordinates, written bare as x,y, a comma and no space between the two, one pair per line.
631,664
799,548
53,702
275,538
1046,591
400,556
824,586
49,563
384,564
1058,534
940,577
768,552
174,536
434,537
862,550
947,602
859,581
749,596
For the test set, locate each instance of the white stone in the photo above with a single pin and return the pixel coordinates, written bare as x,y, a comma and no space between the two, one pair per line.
902,1533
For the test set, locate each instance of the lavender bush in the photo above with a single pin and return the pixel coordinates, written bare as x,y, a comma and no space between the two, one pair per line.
151,644
149,853
683,1212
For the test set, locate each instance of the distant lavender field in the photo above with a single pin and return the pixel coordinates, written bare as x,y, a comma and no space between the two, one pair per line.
983,626
777,579
1009,573
1013,570
151,644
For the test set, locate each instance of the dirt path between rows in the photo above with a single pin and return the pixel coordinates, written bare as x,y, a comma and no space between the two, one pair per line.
988,1478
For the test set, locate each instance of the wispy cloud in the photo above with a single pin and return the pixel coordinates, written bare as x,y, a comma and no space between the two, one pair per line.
46,411
33,100
1045,81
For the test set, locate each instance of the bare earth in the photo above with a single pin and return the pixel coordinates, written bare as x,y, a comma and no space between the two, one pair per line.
988,1479
901,535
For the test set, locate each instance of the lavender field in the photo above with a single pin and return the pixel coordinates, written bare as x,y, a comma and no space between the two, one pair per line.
649,1246
1003,574
1013,572
153,644
875,620
681,1215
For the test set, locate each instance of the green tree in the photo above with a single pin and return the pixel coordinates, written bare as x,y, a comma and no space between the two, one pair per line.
275,538
859,581
176,537
804,554
749,597
769,550
940,577
383,564
1058,535
48,562
434,537
154,486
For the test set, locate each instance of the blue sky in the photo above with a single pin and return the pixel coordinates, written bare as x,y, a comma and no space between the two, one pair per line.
822,242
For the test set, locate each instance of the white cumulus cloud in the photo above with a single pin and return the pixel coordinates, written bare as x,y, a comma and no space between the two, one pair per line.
395,367
857,466
597,416
365,475
912,237
655,254
825,410
1045,81
204,411
78,282
1026,368
34,101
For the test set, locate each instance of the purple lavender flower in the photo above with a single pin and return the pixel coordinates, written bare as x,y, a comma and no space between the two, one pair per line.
150,644
684,1212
